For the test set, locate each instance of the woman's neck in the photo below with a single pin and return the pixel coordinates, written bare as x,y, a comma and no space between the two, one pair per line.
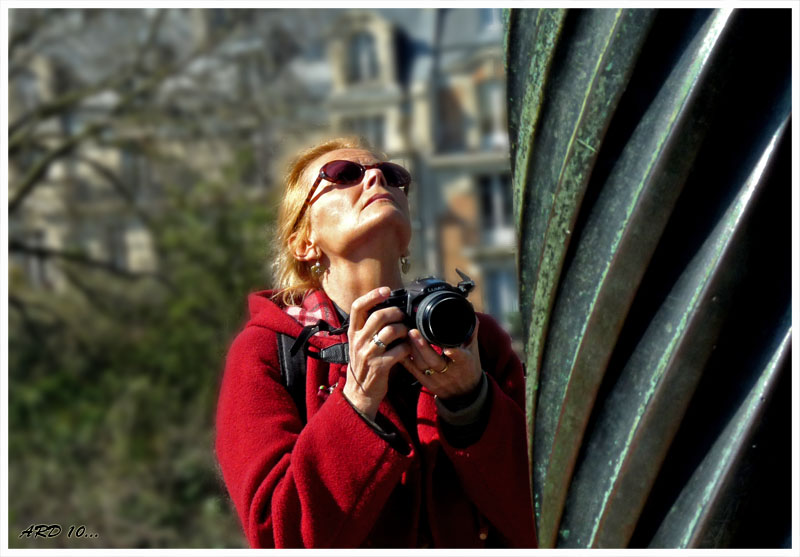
346,280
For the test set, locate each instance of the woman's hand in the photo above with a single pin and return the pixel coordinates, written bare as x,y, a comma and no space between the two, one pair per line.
456,372
368,371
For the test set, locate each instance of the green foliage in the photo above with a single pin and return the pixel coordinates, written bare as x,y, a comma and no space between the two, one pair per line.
113,383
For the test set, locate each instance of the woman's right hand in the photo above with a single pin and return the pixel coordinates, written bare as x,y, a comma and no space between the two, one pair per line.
368,371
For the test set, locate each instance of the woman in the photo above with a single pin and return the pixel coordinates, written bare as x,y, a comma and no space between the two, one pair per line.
406,445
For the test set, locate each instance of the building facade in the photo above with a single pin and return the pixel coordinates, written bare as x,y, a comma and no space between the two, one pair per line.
428,88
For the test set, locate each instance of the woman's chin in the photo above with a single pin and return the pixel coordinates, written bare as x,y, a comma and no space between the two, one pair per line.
384,213
388,222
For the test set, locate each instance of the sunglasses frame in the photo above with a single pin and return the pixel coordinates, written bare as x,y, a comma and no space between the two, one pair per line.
324,175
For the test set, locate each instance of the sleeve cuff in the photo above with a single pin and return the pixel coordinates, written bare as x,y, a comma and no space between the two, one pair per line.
464,410
384,432
366,418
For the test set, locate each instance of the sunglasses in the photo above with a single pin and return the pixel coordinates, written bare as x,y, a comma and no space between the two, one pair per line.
349,173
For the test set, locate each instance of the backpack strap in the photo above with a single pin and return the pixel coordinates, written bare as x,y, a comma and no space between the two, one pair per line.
292,353
293,372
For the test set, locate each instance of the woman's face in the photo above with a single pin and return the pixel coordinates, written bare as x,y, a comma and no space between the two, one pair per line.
345,219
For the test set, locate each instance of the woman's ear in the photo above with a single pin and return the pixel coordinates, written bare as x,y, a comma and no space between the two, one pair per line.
304,249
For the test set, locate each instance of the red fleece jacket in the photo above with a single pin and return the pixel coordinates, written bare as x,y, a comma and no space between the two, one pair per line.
334,482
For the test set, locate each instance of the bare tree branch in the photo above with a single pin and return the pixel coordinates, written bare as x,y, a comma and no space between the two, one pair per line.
60,105
19,247
96,298
41,327
152,36
71,98
119,187
29,322
38,170
21,35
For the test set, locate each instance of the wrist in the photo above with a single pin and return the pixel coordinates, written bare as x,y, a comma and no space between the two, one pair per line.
362,404
462,400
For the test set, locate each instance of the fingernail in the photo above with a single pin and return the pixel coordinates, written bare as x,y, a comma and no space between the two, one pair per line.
384,291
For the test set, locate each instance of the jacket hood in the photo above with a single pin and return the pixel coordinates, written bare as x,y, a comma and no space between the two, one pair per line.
290,320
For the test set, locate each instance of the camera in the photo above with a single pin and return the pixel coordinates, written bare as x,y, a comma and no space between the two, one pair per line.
438,309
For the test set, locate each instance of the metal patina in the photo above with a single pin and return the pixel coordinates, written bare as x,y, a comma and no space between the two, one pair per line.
649,178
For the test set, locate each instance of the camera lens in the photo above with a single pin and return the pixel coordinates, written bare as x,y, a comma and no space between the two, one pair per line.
445,319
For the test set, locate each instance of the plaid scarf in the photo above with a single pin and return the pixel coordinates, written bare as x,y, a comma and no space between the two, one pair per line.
318,317
316,306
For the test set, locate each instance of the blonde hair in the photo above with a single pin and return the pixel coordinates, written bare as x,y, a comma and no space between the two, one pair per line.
293,277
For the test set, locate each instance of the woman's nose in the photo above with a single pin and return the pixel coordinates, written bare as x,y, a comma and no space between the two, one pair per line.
374,177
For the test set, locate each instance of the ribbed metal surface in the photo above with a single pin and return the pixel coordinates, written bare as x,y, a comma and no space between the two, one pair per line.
652,187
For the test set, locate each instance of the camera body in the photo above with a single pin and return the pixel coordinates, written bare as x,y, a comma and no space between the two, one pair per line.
438,309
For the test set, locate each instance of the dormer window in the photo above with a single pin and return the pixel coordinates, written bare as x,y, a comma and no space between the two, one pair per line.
362,58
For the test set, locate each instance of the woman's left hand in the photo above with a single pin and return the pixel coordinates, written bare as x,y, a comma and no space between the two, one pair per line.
456,372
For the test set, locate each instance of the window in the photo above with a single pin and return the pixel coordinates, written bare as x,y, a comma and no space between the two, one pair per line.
496,208
451,121
82,190
36,264
63,79
362,60
117,245
67,123
26,88
370,128
500,292
491,108
135,172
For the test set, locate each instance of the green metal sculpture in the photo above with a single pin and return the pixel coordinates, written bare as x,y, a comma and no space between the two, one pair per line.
652,185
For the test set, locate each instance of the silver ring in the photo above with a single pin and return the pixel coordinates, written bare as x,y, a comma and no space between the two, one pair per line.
378,341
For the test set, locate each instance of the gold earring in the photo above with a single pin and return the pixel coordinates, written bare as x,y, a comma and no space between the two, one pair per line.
317,270
405,264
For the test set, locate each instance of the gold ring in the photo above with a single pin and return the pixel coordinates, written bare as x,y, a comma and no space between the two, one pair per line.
445,367
429,371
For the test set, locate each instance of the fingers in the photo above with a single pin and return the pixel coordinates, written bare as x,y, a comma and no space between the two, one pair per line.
375,366
414,370
423,355
390,333
456,372
370,335
471,345
440,376
395,355
382,318
359,311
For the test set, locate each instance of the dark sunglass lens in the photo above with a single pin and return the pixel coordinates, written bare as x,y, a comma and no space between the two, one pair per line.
395,175
343,172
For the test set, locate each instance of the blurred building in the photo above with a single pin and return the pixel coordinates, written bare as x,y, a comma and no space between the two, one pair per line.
425,86
428,88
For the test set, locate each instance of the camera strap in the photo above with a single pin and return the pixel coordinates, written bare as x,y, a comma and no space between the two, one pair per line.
334,354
